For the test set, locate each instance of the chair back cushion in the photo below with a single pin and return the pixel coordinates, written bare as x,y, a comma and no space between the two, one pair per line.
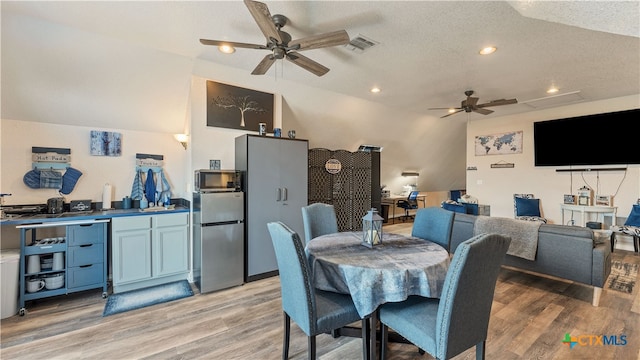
319,219
526,205
433,224
465,302
298,297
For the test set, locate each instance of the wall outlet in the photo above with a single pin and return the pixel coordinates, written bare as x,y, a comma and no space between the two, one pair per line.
478,182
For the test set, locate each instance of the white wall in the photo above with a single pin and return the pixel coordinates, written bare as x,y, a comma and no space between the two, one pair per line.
496,187
15,153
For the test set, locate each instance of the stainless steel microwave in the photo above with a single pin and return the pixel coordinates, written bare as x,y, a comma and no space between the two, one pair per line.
217,180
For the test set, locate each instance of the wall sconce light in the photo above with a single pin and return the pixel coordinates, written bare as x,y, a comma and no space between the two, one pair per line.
182,139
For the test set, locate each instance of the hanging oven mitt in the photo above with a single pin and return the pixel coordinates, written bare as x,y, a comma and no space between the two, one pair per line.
32,179
150,188
69,180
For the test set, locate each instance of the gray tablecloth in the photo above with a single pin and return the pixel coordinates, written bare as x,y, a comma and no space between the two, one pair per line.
391,272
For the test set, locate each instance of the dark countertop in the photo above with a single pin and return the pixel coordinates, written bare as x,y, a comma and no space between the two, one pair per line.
85,215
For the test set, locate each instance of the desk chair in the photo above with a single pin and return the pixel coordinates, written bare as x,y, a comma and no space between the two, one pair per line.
410,204
459,319
313,310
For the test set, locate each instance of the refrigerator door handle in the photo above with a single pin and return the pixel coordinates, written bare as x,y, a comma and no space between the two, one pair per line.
284,194
278,194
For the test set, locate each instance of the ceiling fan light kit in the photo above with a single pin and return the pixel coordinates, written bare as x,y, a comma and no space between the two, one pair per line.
281,44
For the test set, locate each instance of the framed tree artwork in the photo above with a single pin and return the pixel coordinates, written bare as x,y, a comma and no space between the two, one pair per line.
238,108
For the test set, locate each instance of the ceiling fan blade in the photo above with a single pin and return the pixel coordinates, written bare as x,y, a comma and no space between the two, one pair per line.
453,113
339,37
262,16
499,102
445,108
307,64
264,65
482,111
231,43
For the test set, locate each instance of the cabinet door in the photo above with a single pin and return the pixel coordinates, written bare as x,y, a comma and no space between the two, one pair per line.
263,205
131,249
170,250
294,168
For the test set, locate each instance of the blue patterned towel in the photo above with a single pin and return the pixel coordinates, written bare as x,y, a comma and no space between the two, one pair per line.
50,179
137,189
150,188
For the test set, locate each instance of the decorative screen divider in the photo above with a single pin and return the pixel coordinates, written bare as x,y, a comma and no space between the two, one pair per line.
343,179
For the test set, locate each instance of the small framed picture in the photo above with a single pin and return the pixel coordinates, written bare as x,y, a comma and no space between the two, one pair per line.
570,199
604,200
583,200
214,164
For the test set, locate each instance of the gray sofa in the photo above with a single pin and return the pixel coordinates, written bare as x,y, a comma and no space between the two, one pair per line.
567,252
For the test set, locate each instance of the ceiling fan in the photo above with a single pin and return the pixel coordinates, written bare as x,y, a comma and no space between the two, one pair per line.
280,43
471,104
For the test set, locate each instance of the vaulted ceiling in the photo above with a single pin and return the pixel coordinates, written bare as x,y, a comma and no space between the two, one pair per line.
426,52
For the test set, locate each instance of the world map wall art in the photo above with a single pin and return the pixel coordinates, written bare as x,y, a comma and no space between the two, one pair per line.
499,144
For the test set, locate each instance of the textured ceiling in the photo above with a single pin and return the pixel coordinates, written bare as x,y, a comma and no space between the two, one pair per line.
427,52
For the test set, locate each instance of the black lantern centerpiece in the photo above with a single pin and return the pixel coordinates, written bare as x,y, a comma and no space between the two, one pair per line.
372,229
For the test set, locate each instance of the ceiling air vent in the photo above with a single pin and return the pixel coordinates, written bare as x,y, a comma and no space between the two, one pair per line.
360,43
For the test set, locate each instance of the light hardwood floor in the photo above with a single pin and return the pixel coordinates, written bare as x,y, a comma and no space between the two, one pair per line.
530,316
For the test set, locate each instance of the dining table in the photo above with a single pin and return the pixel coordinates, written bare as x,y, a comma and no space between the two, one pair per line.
399,267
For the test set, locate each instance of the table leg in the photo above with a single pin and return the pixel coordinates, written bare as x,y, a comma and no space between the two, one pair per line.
373,338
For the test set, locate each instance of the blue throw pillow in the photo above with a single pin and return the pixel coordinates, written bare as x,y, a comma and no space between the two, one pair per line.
527,207
634,217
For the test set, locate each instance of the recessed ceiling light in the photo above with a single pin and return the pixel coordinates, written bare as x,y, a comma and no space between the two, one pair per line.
375,90
452,110
488,50
552,90
227,49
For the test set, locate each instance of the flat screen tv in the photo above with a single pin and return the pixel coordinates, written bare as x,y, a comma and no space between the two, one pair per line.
600,139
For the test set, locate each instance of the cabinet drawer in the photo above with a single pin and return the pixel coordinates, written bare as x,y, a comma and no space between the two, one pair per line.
170,220
85,234
131,223
85,275
85,254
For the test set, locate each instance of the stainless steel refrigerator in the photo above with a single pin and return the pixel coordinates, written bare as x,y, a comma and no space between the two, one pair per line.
218,252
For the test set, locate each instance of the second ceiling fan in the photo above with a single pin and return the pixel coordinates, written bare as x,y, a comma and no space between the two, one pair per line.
280,43
471,104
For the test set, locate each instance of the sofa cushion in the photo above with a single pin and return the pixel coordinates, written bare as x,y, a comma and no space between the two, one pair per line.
527,207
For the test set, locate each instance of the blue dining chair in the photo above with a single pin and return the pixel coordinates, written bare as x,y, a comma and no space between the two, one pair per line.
315,311
434,224
459,320
319,219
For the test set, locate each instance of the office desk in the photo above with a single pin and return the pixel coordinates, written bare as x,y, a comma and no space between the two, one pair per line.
398,268
393,202
586,210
